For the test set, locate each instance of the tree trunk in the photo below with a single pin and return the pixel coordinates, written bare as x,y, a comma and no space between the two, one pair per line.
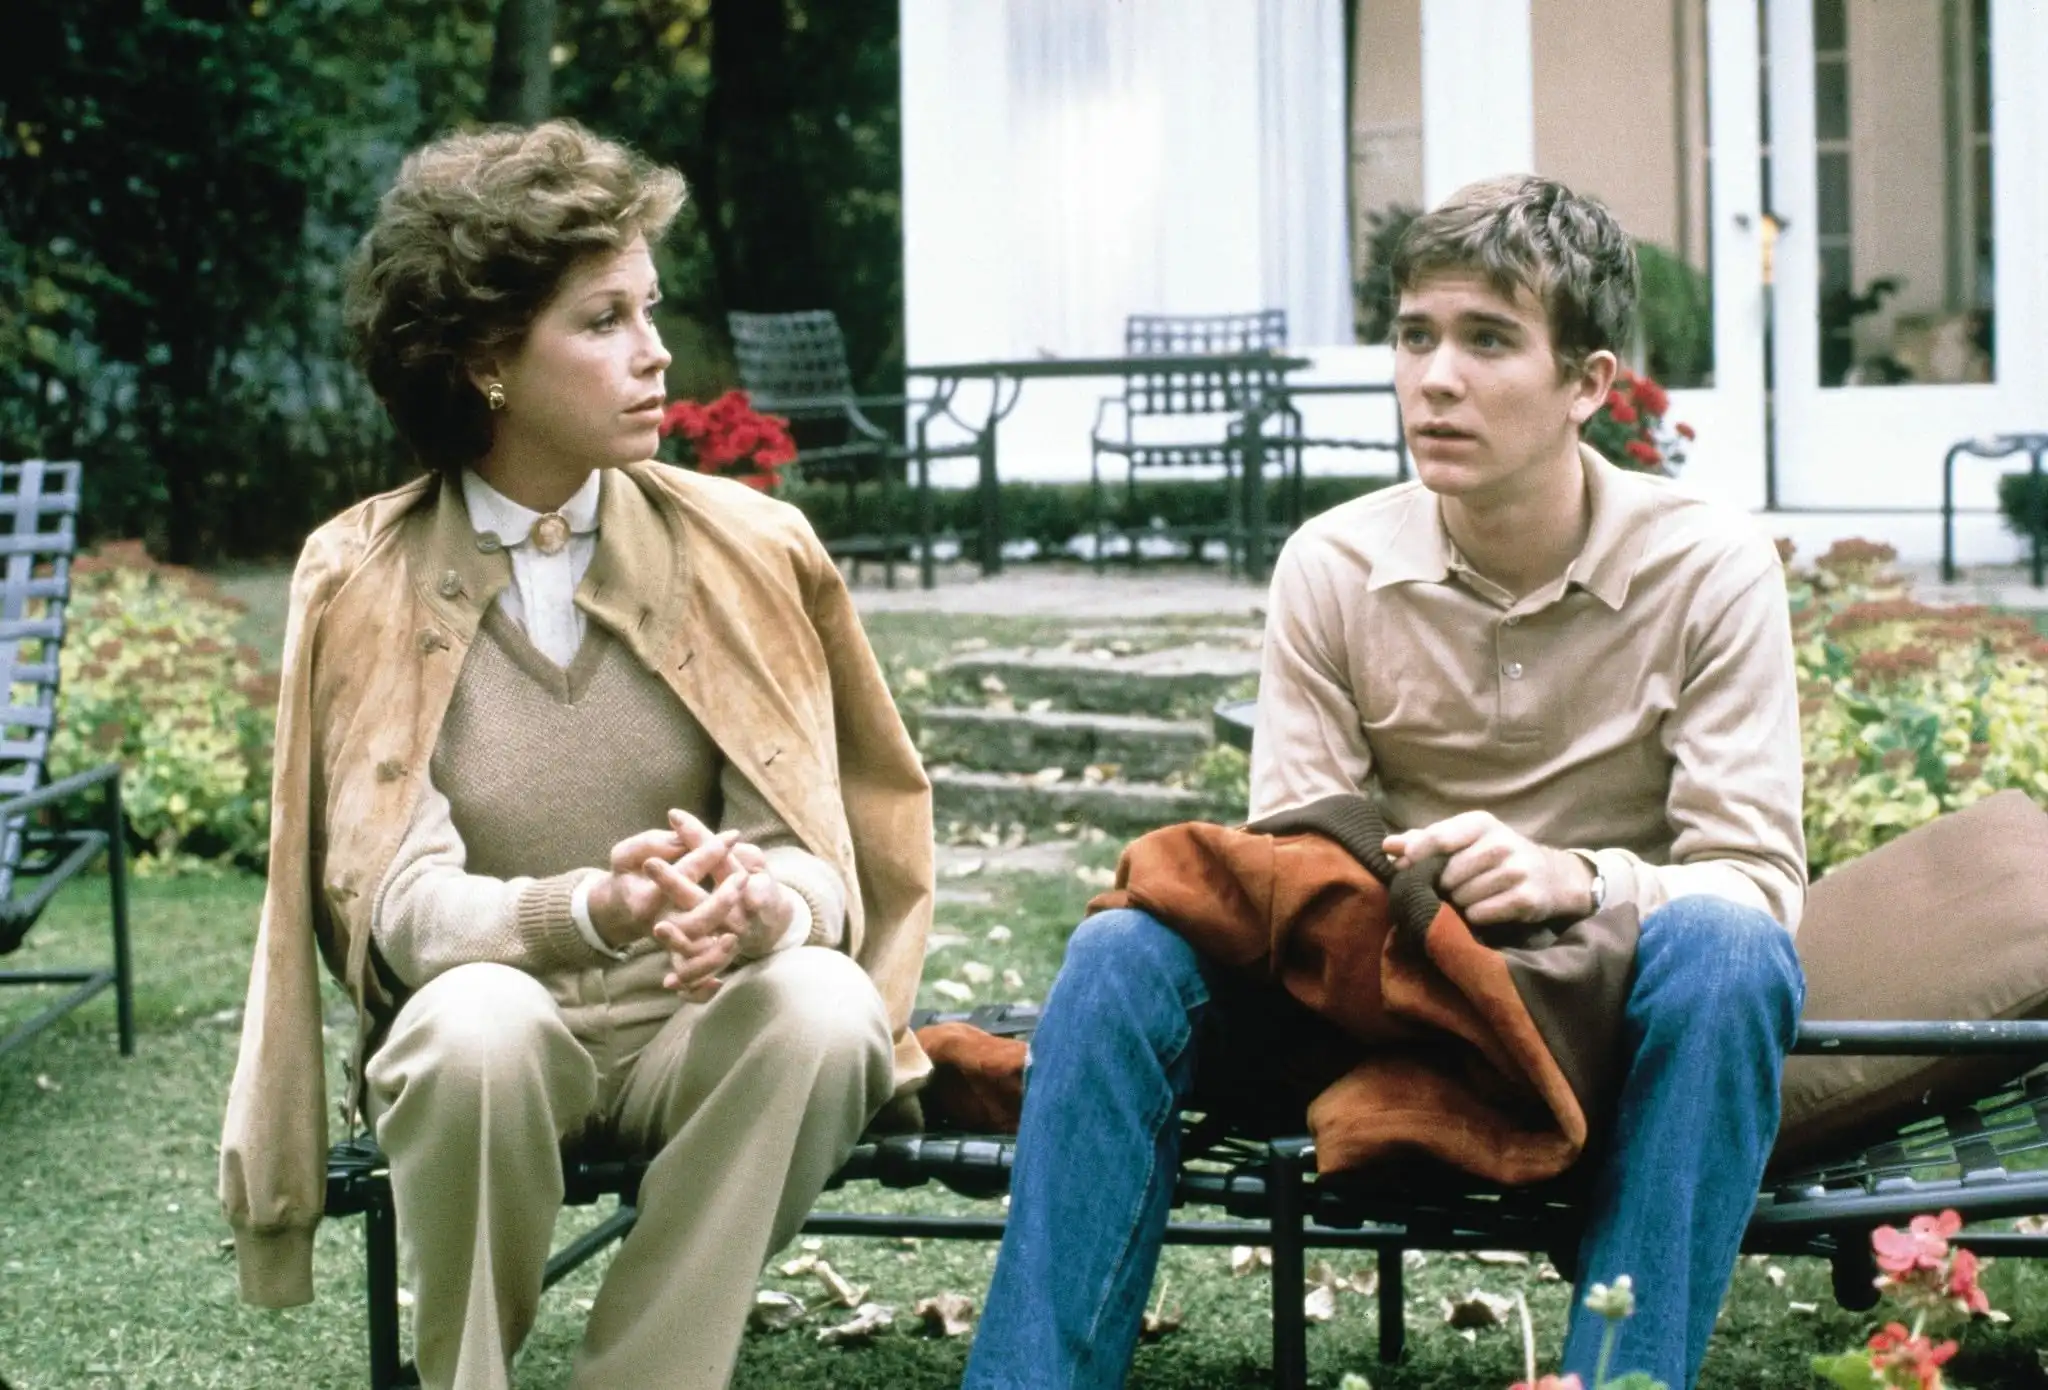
770,261
522,64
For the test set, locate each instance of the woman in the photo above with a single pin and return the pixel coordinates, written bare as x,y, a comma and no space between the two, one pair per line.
590,792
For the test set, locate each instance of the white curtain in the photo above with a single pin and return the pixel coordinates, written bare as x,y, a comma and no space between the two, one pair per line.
1120,156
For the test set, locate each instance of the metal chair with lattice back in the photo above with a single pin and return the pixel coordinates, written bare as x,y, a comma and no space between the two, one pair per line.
794,365
40,850
1238,402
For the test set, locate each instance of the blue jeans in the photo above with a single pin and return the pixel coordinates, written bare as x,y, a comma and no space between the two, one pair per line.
1711,1012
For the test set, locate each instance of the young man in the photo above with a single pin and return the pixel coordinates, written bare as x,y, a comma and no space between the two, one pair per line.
1575,682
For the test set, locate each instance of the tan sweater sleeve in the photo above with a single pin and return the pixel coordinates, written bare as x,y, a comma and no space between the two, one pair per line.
432,915
816,883
1308,742
1736,779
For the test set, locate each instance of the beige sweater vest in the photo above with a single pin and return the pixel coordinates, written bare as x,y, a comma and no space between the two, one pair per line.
539,771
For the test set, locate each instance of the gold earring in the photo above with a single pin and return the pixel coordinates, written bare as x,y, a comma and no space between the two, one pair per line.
494,395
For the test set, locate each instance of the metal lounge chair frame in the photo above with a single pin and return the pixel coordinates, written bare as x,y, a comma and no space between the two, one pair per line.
38,853
794,365
1976,1160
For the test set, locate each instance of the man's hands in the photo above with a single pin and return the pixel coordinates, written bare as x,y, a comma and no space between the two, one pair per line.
1495,875
656,888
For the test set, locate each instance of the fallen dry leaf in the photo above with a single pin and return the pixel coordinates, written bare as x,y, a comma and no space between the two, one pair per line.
1776,1274
952,990
867,1320
1354,1381
2031,1225
1244,1259
845,1294
1158,1321
1365,1282
801,1265
1478,1309
43,1083
971,644
1012,981
940,940
946,1314
976,972
1500,1257
998,933
992,684
1047,776
1096,878
964,868
776,1311
1321,1303
1546,1273
1803,1307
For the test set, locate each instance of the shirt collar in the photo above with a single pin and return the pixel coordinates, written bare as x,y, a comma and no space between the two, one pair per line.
1420,549
491,510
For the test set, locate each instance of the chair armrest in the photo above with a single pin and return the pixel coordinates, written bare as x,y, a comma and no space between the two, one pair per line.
60,790
1102,409
1921,1038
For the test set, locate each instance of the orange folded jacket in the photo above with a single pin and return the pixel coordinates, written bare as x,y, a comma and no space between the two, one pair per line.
1497,1053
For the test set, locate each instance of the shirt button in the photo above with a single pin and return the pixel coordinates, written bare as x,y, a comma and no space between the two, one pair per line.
451,584
1513,670
1514,620
488,542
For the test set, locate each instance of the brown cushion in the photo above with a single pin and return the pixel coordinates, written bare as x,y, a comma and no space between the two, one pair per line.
1949,921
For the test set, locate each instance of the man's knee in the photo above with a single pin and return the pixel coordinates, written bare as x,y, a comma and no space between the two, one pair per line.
1124,957
1712,953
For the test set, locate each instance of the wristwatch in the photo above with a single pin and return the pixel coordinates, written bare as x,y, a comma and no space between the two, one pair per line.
1598,888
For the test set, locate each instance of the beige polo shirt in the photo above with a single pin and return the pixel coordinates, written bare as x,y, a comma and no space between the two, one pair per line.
1643,707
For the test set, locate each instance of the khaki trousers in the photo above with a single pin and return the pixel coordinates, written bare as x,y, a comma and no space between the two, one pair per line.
748,1103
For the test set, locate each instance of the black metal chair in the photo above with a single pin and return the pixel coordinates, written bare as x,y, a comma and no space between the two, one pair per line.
1240,405
794,365
40,851
1985,1160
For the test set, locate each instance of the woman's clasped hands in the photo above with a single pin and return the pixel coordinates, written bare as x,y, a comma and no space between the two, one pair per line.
705,895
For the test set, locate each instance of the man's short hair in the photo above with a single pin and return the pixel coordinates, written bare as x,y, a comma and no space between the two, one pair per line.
470,243
1528,232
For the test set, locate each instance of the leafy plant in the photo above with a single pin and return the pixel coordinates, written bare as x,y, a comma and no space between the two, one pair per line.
1906,710
2023,499
1676,310
1376,300
154,677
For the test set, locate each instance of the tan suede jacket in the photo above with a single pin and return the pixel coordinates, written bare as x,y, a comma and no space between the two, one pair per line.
729,597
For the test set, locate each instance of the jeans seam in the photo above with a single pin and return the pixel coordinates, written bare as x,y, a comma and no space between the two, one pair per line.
1185,1038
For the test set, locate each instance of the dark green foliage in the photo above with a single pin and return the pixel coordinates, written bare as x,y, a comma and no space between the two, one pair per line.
1376,302
2024,500
181,182
1676,311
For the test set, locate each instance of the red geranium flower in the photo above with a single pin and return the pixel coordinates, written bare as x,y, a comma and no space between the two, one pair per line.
1642,451
729,437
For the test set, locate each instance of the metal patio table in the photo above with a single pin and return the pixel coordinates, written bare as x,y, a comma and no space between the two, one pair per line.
1007,378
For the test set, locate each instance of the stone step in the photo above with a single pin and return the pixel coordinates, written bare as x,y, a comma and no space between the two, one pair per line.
1141,749
1121,808
1174,682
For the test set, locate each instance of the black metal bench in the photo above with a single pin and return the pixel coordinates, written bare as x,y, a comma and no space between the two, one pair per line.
40,853
1981,1160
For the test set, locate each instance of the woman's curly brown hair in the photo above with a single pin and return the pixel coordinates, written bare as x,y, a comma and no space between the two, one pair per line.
470,243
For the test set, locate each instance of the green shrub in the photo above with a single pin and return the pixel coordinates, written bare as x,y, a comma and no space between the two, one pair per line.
2024,500
1906,710
154,676
1053,513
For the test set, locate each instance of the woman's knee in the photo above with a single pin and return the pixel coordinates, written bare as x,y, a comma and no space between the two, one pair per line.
473,1026
817,1001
